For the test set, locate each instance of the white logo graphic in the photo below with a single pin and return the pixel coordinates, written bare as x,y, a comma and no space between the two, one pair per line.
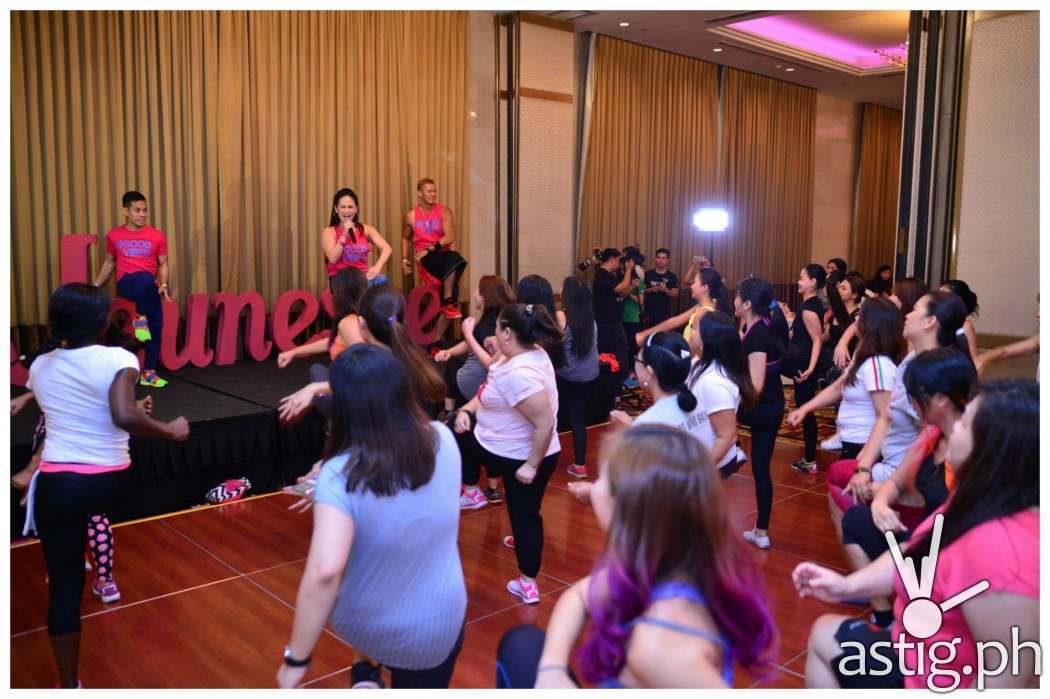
923,617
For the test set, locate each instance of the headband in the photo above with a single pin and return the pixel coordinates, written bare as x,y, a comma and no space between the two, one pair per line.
528,308
684,354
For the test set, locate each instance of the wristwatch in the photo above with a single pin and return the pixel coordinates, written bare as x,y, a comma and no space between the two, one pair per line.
862,469
292,662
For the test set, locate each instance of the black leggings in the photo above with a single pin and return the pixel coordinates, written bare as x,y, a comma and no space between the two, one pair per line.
64,503
523,499
764,421
573,396
432,678
804,392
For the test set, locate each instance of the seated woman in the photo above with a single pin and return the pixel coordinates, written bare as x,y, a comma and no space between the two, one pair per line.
987,530
940,383
383,566
684,613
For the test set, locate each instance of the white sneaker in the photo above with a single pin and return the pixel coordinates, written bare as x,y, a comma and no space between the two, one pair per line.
832,443
528,592
472,499
761,542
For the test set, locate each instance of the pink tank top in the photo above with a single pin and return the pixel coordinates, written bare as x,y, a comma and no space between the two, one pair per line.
427,229
355,253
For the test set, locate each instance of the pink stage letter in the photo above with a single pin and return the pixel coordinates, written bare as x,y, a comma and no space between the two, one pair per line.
193,346
116,306
284,334
19,374
416,317
229,307
73,257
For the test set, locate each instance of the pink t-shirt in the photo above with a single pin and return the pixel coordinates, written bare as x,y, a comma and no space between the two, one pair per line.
1005,552
355,254
501,429
136,251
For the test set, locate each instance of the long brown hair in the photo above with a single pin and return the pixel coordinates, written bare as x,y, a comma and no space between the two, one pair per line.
383,310
908,291
495,293
881,328
670,523
379,425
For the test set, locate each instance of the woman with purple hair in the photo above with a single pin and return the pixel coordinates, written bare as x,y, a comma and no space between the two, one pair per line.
673,602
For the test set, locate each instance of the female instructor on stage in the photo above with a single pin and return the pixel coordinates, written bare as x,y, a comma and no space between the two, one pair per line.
346,241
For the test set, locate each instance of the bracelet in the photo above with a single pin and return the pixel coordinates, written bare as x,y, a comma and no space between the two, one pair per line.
862,469
560,668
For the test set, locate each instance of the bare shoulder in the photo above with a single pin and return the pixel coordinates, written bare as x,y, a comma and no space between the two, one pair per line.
656,645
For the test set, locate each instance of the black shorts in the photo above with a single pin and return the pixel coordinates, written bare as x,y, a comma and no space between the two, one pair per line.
858,527
441,264
881,670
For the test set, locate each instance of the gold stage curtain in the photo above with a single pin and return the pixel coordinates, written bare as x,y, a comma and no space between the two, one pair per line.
878,189
768,132
238,126
651,153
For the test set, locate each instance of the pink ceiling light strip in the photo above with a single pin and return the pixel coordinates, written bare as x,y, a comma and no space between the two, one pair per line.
786,31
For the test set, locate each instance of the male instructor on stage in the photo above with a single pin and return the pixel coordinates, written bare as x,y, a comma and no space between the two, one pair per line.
428,232
139,253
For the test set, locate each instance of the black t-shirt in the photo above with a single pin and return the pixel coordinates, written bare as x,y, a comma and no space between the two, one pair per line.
759,338
608,306
799,335
658,305
930,483
486,326
836,331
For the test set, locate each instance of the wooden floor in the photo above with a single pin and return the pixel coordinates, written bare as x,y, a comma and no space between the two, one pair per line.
208,594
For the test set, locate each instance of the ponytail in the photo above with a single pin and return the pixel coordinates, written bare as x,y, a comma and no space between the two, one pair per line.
667,354
950,312
532,324
710,278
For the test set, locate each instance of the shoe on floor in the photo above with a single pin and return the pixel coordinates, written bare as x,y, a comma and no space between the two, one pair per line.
761,542
508,541
149,378
492,495
365,675
804,466
106,590
576,470
79,685
832,443
528,592
472,499
451,310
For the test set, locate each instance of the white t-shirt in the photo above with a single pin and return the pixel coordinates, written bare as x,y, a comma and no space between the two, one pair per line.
715,392
501,428
856,412
72,389
903,429
666,412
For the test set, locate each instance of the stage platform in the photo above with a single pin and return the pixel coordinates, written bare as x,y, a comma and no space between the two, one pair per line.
209,594
234,432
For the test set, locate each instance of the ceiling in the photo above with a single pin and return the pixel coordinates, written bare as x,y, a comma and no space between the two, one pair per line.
831,51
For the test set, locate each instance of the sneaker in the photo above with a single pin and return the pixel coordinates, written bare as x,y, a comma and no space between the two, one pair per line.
508,541
492,495
804,466
528,592
79,685
149,378
365,675
106,590
832,443
472,499
451,310
576,471
141,326
761,542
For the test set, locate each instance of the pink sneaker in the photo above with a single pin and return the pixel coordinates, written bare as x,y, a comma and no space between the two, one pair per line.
106,590
508,541
528,592
472,499
576,471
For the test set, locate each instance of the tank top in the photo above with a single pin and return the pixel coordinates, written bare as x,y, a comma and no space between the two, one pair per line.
427,229
688,332
675,590
355,252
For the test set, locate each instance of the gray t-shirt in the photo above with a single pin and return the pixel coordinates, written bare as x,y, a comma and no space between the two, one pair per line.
903,429
577,369
402,600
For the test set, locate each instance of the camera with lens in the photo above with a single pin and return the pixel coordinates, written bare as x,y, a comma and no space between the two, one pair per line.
590,261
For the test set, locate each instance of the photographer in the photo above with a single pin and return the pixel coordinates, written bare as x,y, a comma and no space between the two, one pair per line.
661,289
610,288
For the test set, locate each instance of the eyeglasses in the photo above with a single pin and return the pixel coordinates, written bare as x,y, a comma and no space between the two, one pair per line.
638,360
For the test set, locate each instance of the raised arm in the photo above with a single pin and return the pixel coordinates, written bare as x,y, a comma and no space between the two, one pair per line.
332,242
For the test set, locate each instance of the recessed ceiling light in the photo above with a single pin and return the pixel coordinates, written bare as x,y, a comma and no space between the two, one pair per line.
625,24
717,49
789,69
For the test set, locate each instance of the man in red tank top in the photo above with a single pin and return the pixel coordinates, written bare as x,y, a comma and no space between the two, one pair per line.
428,234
